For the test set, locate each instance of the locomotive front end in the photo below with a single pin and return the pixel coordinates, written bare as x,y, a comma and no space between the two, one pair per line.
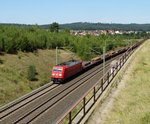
57,74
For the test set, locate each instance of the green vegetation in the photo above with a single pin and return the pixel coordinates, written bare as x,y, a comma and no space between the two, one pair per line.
1,61
132,105
31,38
54,27
31,73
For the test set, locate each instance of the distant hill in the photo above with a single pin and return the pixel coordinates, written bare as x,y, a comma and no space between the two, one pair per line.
106,26
15,24
96,26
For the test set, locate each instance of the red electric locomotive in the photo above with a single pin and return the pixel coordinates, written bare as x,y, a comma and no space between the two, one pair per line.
65,70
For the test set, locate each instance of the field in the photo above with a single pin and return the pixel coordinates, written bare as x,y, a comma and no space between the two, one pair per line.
13,72
132,105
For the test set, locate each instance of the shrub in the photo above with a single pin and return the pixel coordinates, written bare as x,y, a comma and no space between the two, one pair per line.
1,61
31,73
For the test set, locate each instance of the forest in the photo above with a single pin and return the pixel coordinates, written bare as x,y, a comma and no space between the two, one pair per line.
14,38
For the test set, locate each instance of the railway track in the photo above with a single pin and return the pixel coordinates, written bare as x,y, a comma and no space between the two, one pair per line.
8,109
61,108
34,106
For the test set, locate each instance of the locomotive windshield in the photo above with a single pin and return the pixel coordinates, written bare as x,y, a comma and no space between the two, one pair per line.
57,69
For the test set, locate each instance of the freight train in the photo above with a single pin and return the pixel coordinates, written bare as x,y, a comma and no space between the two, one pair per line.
67,69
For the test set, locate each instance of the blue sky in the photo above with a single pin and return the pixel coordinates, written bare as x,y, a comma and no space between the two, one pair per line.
68,11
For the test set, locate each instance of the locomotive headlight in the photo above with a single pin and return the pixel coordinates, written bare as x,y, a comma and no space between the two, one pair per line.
60,74
53,74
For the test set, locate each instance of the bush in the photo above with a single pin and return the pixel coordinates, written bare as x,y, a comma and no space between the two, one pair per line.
31,73
1,61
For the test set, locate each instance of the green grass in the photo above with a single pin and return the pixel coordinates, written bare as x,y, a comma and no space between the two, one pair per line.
14,70
132,105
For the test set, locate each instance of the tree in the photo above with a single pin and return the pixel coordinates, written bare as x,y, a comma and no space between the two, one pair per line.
67,30
2,45
54,27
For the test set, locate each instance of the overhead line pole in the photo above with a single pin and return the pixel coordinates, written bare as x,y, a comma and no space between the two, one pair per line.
56,55
104,51
57,48
103,61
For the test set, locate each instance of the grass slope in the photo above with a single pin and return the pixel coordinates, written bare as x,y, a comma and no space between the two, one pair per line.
132,105
13,72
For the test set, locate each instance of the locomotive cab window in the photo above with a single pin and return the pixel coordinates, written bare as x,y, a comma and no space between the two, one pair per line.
57,69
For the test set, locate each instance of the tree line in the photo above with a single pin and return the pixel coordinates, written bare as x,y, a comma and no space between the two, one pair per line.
105,26
30,38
